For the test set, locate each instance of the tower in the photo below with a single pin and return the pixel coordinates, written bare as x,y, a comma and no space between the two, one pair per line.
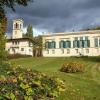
17,29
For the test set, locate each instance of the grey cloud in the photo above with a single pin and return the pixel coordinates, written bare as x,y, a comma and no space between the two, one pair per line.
58,15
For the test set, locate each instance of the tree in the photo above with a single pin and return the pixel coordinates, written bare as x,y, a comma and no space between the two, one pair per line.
3,22
29,33
37,46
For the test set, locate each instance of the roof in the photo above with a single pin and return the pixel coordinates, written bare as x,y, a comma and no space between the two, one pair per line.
18,20
20,39
72,33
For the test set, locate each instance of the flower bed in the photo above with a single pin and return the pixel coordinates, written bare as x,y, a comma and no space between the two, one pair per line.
22,84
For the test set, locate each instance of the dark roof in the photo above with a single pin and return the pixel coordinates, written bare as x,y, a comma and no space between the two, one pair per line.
20,39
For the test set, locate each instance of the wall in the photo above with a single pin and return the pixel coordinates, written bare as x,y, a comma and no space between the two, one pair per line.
93,51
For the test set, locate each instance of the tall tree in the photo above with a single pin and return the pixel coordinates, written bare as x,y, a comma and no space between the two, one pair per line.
3,24
29,33
3,21
37,46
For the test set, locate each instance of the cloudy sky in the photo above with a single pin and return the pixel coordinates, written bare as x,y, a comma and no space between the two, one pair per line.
57,15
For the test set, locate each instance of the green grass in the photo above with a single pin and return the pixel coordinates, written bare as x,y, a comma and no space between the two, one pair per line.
79,86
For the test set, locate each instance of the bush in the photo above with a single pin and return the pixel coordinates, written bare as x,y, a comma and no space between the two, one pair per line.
22,84
72,67
14,56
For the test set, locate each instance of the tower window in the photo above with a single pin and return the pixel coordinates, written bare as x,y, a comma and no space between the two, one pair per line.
16,26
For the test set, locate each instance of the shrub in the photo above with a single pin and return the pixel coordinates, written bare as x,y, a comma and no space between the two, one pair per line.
26,84
14,56
72,67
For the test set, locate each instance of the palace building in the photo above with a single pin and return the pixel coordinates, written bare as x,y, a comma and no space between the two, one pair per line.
17,44
83,43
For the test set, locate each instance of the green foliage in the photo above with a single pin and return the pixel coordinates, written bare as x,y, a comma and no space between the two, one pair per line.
12,3
3,22
29,33
72,67
3,53
16,56
93,28
27,84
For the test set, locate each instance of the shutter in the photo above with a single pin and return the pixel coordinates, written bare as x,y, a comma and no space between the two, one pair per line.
49,45
78,44
73,44
88,43
85,44
99,42
54,44
96,42
64,44
69,44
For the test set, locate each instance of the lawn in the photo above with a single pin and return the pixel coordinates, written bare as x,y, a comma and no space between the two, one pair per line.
79,86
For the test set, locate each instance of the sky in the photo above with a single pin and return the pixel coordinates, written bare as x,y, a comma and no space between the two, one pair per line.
57,15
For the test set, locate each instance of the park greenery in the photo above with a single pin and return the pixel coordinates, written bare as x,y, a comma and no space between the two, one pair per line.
79,86
72,67
17,83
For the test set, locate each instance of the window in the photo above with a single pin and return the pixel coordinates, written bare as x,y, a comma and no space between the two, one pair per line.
67,44
87,50
50,44
53,43
61,44
47,51
68,51
76,44
86,43
22,49
53,51
86,37
64,44
62,51
76,50
16,26
30,50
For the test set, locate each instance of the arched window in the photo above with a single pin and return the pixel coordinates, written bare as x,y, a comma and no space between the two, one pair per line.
50,44
53,44
16,26
68,44
61,44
